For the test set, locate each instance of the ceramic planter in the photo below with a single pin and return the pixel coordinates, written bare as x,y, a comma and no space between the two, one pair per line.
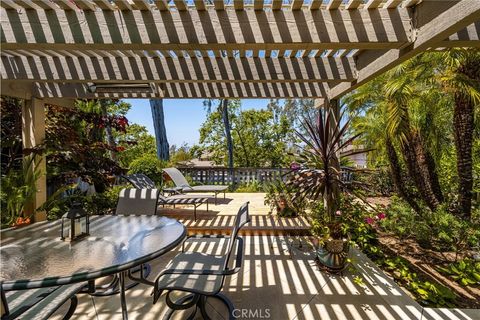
333,254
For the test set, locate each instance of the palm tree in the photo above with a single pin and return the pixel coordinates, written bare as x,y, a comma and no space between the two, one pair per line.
395,95
461,78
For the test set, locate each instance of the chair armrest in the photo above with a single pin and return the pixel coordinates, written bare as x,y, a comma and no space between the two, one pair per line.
226,272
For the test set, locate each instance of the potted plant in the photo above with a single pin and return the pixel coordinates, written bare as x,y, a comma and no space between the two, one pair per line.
278,196
321,178
18,189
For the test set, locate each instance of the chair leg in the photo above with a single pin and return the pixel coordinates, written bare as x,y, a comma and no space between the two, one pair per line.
183,303
113,287
71,310
199,302
228,303
202,306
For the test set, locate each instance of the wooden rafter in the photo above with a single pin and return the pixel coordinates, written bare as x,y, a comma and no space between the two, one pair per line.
179,90
353,4
142,4
447,22
317,29
391,4
145,69
104,4
334,4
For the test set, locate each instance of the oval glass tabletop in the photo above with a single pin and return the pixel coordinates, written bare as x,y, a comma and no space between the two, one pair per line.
34,256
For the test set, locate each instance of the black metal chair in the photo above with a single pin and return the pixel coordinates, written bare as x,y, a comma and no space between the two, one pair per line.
202,275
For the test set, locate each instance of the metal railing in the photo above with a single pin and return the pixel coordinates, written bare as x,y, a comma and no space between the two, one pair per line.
221,175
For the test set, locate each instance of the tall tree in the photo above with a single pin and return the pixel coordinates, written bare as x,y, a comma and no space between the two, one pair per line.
160,129
228,131
462,79
259,141
108,129
223,110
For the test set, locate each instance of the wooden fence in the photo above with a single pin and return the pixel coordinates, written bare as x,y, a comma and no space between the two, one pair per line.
220,175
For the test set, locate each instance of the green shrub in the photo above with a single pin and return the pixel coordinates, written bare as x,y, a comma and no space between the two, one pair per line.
251,186
466,272
95,204
401,219
439,230
106,202
279,197
149,165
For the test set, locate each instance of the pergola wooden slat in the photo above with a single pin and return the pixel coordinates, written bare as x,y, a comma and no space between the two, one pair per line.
232,29
57,51
180,43
143,69
456,17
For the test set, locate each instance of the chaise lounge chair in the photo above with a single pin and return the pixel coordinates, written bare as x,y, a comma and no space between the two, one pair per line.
183,186
141,181
201,275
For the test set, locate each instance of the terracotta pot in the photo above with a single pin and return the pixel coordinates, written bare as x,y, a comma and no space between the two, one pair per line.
21,222
281,204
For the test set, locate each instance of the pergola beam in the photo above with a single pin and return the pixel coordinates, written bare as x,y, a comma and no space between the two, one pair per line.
457,17
181,90
146,69
353,4
208,30
334,4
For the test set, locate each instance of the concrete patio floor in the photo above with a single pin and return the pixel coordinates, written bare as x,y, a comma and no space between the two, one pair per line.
219,218
278,283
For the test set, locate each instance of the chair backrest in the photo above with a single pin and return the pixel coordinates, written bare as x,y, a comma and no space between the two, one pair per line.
177,177
140,181
241,219
137,202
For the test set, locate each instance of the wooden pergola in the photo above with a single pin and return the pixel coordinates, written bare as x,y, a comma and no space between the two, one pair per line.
58,51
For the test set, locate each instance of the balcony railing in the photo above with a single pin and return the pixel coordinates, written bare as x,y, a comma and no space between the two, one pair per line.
221,175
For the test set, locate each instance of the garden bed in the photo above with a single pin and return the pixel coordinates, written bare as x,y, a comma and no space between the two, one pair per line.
425,263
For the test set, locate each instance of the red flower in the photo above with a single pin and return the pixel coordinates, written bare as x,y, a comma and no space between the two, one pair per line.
381,216
370,221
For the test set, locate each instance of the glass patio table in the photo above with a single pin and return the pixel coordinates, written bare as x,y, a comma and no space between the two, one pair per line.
34,256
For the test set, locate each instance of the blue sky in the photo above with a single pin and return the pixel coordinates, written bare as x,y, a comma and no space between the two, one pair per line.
183,117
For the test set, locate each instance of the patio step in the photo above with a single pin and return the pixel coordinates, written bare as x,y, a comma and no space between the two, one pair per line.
214,223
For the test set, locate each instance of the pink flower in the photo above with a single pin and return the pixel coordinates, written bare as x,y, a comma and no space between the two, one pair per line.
294,166
338,213
381,216
369,220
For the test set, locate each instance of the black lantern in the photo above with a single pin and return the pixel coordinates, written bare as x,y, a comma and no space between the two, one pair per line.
75,223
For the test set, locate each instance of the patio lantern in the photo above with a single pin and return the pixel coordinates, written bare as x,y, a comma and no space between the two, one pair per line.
75,223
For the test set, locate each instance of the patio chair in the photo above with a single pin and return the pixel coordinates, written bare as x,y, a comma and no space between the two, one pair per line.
202,275
137,202
182,184
140,180
40,303
185,199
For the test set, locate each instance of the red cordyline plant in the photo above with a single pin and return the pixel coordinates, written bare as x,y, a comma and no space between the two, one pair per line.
320,175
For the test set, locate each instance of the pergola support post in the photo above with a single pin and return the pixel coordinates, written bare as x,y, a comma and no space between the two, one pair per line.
33,133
